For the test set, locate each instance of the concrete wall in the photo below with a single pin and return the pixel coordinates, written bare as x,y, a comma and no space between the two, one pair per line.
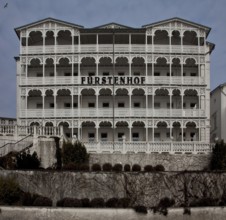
12,213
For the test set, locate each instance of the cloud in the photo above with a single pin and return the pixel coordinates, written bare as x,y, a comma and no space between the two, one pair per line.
92,13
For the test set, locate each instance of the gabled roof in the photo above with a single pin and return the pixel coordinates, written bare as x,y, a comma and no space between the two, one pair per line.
18,29
207,29
113,25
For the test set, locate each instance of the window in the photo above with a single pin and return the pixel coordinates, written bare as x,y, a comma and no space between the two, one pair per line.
105,73
121,73
192,135
51,74
184,105
157,135
192,105
67,74
168,135
105,104
91,74
39,105
184,74
91,137
120,135
51,105
75,74
156,105
67,105
39,75
135,136
156,74
121,105
193,74
136,73
104,136
91,105
136,105
75,105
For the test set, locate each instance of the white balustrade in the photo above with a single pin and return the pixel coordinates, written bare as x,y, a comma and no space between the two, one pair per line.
118,48
144,147
108,112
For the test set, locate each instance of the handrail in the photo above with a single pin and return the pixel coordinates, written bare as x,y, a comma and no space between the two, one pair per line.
17,141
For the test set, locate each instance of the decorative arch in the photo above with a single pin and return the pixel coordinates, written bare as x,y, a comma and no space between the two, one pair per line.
35,123
122,92
35,38
105,124
161,37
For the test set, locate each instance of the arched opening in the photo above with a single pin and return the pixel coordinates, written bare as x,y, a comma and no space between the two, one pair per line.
64,38
162,99
191,132
161,68
35,68
138,99
49,101
35,124
161,37
106,101
176,67
190,38
64,67
105,130
176,99
34,101
63,102
88,131
66,128
88,66
49,68
105,66
49,40
122,66
191,68
176,39
176,131
162,132
122,131
138,66
138,131
35,38
191,100
88,99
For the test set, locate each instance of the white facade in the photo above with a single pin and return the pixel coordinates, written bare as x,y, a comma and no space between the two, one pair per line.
218,113
145,85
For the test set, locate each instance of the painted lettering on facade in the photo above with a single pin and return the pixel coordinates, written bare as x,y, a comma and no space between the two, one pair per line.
110,80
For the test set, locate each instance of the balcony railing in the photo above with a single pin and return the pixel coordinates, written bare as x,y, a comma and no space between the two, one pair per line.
148,147
118,48
108,112
67,80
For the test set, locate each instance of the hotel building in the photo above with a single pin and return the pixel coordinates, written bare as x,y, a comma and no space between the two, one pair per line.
148,87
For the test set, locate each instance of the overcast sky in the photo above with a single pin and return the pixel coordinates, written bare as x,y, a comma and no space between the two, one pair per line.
91,13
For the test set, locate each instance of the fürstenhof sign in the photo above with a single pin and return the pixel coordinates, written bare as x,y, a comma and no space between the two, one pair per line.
110,80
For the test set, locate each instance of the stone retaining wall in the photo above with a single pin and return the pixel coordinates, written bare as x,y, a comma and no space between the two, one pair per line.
171,162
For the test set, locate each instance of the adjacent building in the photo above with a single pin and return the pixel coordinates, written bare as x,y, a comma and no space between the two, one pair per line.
147,86
218,113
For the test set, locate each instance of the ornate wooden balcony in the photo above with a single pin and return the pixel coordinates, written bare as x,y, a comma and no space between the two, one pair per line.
108,113
108,48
